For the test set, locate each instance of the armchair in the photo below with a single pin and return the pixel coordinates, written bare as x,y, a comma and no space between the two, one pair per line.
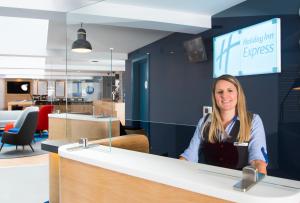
126,130
19,122
134,142
25,135
43,121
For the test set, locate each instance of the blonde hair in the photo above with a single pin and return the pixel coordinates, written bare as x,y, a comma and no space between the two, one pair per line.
216,126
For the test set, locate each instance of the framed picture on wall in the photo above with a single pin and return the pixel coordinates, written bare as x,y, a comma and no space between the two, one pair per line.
42,87
35,87
76,89
59,88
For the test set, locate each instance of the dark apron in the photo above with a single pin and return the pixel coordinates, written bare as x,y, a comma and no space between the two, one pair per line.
224,154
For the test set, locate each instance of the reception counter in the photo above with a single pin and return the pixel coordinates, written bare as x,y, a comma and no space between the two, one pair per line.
103,174
67,128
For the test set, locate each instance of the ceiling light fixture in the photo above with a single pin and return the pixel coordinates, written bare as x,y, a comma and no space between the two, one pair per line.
81,45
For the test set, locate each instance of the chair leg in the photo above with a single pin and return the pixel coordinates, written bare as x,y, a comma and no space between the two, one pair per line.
1,146
31,147
16,147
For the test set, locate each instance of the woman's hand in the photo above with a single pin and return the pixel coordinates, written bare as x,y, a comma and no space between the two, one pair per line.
182,158
260,165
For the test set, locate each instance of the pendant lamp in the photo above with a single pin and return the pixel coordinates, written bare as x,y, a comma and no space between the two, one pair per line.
81,45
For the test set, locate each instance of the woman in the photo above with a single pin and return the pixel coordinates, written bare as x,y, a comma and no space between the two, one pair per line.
230,137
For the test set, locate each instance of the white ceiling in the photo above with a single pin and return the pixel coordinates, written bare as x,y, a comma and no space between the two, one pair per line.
125,25
47,5
193,16
203,7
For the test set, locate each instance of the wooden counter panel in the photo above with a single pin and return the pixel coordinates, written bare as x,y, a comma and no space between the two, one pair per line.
71,129
115,109
85,183
80,108
57,129
92,129
76,108
53,178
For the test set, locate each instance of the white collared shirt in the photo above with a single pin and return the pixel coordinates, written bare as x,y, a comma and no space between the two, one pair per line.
256,144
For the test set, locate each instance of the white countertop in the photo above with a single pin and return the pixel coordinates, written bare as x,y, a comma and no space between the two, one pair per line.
209,180
82,117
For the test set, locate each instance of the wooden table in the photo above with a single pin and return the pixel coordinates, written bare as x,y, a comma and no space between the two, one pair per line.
19,103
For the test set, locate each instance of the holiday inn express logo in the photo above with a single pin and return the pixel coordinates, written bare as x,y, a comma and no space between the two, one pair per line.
225,52
251,50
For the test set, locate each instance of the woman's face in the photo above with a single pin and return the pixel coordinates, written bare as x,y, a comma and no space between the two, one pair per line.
226,96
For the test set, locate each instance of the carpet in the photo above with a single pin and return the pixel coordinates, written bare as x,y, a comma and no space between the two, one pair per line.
9,151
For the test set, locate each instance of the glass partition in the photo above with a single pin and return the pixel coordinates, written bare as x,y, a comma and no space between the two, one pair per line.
92,82
158,82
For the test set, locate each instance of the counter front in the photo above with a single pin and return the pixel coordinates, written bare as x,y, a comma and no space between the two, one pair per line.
101,174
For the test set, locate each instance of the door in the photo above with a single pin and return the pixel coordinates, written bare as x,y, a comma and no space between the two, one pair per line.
140,91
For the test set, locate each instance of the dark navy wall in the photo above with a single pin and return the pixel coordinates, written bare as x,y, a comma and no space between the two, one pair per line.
179,89
175,84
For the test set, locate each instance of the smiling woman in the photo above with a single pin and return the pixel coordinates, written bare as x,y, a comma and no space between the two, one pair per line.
226,96
230,137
